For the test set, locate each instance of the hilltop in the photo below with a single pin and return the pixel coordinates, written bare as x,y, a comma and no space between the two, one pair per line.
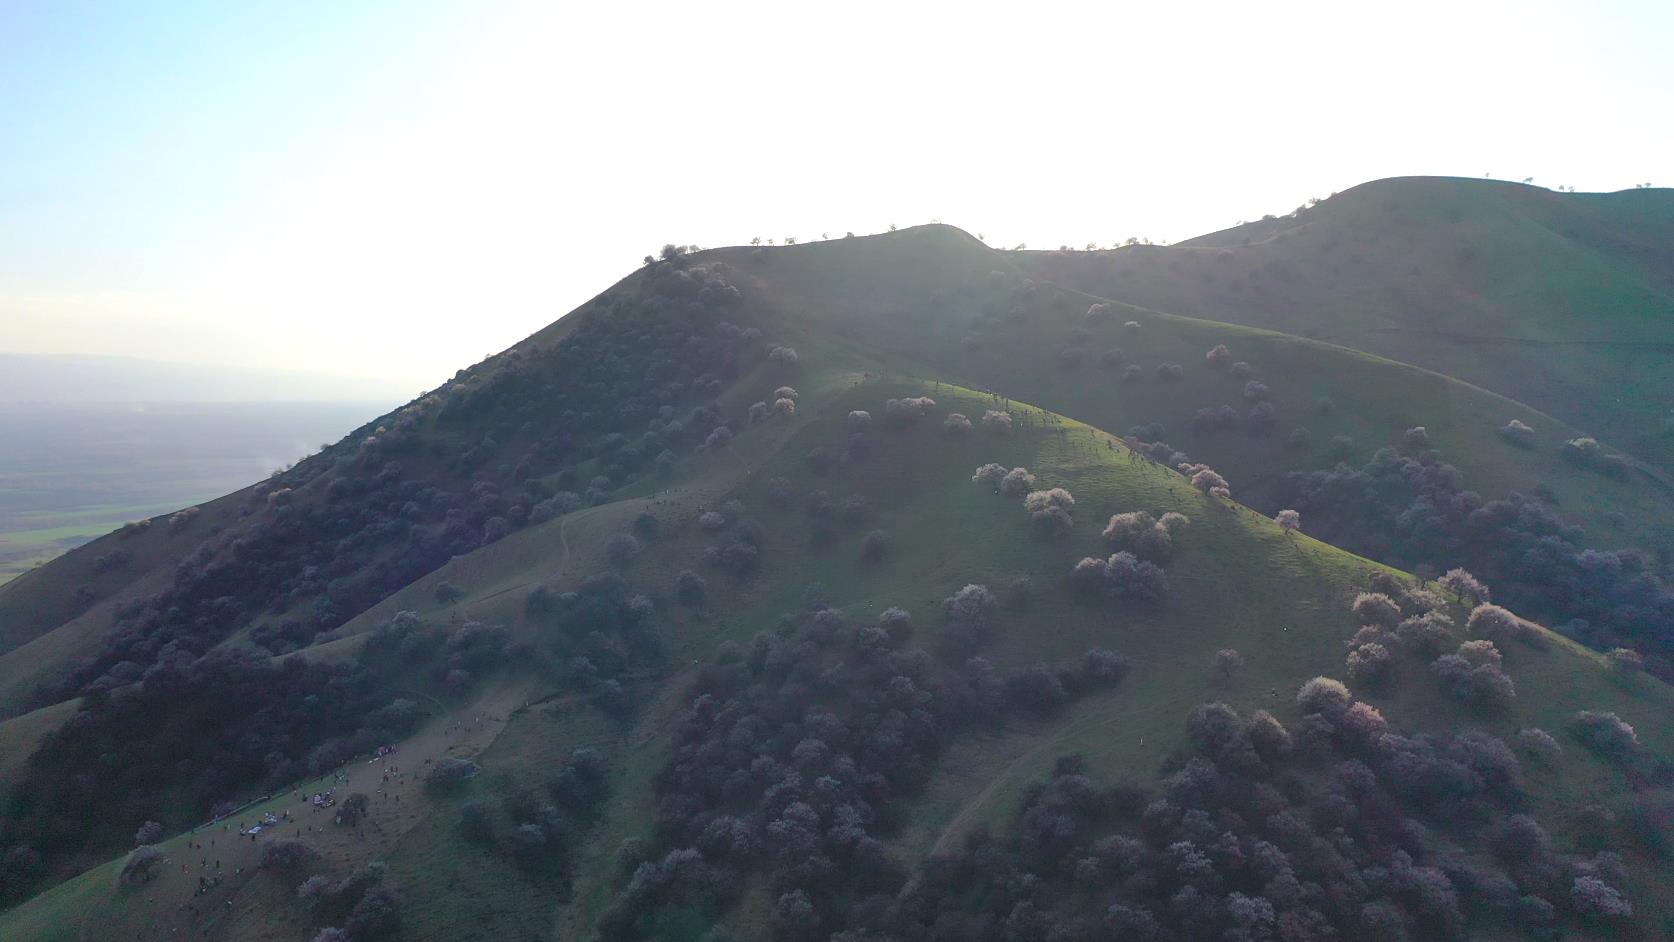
1563,301
870,586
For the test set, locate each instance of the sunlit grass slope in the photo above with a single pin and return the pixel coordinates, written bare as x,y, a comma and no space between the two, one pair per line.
956,309
1236,580
1563,301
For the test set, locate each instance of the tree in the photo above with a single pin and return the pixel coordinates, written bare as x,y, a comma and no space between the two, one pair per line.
140,866
1146,537
1466,586
1121,575
1426,635
1103,667
1496,624
690,588
973,604
990,475
1594,897
1624,662
353,809
1052,521
1288,520
1017,482
447,593
149,833
1474,674
1371,664
1209,481
907,411
875,546
1218,356
997,421
1375,608
1538,744
896,623
647,525
956,424
1606,734
1518,433
1228,665
1036,501
375,916
621,549
449,772
1037,689
284,854
1584,450
1323,695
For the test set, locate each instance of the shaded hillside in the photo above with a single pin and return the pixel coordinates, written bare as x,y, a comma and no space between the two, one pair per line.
485,449
1436,472
730,599
912,480
1563,301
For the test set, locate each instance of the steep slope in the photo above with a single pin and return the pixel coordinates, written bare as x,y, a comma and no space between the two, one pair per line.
1564,301
1290,422
989,328
549,554
1234,580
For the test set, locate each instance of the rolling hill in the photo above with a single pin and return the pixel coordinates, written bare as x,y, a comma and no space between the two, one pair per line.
717,607
1563,301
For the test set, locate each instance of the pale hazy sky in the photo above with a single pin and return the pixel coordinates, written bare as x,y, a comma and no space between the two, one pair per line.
398,189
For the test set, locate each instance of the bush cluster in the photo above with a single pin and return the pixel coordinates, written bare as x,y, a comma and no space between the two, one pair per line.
1414,510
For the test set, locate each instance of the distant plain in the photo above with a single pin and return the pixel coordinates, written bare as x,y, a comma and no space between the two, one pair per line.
71,472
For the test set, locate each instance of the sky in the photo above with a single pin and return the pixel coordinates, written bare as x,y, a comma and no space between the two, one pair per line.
396,190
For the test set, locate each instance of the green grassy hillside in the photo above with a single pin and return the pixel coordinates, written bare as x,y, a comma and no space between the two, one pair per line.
1561,301
1236,580
413,564
965,310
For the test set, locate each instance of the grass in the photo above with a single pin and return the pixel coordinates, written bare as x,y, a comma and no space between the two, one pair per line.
1557,300
931,301
20,735
874,314
1236,580
255,902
